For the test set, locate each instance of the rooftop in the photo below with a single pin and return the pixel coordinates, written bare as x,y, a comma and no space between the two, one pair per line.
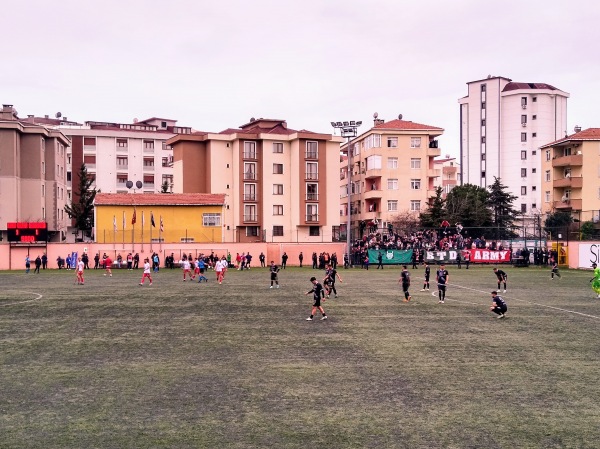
159,199
406,125
590,134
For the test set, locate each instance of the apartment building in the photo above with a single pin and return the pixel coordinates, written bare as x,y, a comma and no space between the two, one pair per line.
571,175
32,174
280,184
392,171
449,174
502,125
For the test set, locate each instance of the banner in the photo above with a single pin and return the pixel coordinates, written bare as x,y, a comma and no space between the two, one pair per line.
476,256
390,256
589,253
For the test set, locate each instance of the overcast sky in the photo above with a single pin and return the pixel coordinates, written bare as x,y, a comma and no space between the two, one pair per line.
213,65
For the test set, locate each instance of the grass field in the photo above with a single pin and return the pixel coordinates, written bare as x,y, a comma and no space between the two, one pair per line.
186,365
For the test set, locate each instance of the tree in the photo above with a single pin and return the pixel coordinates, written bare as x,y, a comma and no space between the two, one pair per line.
558,222
503,215
82,211
587,230
435,214
164,188
467,205
405,222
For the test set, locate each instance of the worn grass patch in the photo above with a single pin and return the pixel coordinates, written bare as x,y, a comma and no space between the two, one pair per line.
177,365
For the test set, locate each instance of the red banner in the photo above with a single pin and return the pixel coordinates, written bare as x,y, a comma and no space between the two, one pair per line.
486,255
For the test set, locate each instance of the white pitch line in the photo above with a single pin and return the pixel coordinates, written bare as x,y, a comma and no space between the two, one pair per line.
533,303
39,296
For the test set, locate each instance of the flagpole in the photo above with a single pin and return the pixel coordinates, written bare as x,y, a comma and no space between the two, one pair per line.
142,231
123,229
160,233
133,231
151,216
114,231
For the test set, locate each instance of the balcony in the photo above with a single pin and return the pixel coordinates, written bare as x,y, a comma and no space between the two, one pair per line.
573,160
252,218
373,173
122,167
434,151
250,176
311,176
433,173
250,154
249,196
312,218
312,197
573,182
89,148
373,194
311,154
571,204
148,168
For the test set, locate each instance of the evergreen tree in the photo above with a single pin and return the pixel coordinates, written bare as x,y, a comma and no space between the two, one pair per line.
503,215
83,210
435,214
467,205
557,222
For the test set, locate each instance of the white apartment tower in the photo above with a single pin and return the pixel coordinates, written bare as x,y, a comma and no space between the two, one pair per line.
502,126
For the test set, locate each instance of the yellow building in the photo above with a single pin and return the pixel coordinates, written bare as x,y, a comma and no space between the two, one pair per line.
570,171
170,218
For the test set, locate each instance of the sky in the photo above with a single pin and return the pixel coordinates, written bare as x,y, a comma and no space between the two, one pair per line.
214,65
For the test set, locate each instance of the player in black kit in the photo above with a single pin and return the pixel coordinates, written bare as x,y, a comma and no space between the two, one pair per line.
442,282
318,292
405,279
274,270
502,276
427,274
498,306
330,275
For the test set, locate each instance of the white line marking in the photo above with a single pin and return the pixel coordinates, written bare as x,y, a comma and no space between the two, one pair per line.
39,296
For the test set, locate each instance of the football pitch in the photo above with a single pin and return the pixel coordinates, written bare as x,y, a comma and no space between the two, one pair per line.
110,364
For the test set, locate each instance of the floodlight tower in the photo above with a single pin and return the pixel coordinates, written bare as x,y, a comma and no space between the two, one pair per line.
349,131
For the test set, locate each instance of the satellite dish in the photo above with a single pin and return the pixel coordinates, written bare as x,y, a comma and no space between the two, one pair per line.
375,115
129,184
58,115
139,184
252,119
399,116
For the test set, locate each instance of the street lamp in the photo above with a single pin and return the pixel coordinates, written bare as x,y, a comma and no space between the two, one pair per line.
349,131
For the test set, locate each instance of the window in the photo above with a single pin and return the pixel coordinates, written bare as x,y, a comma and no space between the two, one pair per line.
524,102
43,190
483,87
533,188
278,209
312,150
523,154
148,144
392,163
483,105
121,180
415,142
249,150
277,147
523,208
121,143
312,170
534,170
314,231
415,162
392,142
534,99
148,162
89,160
523,137
482,139
483,174
278,169
547,196
372,141
374,163
524,119
547,155
533,134
392,184
277,189
523,190
168,179
91,141
547,177
415,205
68,176
415,184
249,192
483,157
534,152
149,180
43,168
165,161
211,219
277,231
523,173
482,122
534,117
249,170
392,205
250,212
252,231
312,212
122,162
312,192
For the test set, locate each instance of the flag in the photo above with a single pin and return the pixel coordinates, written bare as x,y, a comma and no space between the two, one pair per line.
143,221
115,223
123,220
162,228
133,219
152,220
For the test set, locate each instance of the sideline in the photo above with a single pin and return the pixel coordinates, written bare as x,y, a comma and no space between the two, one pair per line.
39,296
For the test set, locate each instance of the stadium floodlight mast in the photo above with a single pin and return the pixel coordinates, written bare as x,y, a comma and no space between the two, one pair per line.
349,131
